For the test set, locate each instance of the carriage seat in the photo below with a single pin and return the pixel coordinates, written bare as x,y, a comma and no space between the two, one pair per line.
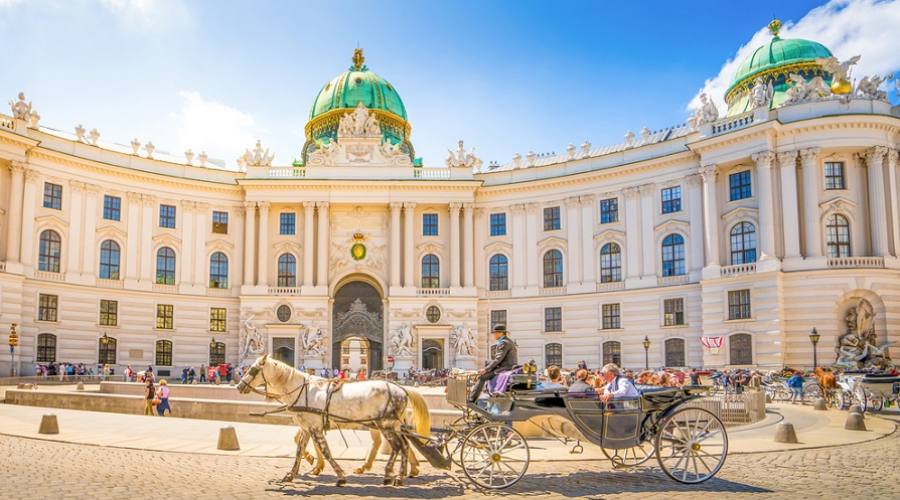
881,379
523,382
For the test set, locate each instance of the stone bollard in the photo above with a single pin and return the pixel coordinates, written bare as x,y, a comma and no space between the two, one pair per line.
820,405
855,422
855,409
80,386
49,425
784,433
228,440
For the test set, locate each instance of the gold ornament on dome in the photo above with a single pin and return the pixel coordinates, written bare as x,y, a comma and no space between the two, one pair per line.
358,249
775,27
841,87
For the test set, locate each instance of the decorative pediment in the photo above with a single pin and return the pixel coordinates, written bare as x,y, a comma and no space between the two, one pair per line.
552,242
166,239
111,231
672,225
287,246
838,204
429,247
220,243
498,246
741,213
609,235
51,220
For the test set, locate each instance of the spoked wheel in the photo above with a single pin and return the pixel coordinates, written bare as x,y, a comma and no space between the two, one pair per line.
691,445
844,399
861,398
630,457
875,403
494,456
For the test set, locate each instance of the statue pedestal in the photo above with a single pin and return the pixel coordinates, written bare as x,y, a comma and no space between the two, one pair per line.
403,363
464,362
317,362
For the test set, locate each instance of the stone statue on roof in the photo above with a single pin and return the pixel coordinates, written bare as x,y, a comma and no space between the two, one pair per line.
462,158
20,109
359,123
761,93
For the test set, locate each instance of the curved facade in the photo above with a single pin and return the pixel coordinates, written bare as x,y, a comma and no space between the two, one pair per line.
752,229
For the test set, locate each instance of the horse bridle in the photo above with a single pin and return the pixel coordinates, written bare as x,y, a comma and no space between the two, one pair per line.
255,370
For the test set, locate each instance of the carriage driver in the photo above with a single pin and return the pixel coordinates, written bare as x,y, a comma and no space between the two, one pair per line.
617,386
505,359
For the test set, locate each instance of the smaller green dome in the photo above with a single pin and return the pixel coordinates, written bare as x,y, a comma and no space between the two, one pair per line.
779,52
358,84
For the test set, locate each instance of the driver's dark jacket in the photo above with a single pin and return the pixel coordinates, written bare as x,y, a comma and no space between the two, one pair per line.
506,357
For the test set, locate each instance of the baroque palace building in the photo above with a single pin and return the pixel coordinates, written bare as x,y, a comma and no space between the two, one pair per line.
741,231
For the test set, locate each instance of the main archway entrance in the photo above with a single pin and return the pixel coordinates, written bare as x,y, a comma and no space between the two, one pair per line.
357,326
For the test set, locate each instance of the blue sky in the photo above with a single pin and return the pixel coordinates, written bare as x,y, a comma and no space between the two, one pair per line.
506,77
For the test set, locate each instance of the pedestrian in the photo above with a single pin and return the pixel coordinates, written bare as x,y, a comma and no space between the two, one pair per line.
694,376
191,375
162,394
795,383
184,375
202,374
149,396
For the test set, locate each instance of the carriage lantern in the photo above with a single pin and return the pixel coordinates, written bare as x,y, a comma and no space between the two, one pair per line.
646,352
814,338
104,339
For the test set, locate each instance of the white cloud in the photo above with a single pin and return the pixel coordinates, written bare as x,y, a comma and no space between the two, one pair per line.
9,3
148,14
847,27
222,131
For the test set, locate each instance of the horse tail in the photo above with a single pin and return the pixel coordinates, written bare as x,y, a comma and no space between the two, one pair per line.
420,416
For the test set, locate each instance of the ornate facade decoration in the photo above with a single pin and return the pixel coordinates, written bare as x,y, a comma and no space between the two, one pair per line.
357,320
802,90
462,158
359,123
868,87
256,158
312,342
252,342
463,341
359,142
401,341
706,113
840,73
21,110
761,93
858,348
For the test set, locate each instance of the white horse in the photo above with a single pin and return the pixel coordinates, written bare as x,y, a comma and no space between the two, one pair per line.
377,404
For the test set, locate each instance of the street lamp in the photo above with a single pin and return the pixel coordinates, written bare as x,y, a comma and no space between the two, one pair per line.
13,342
814,338
104,339
646,352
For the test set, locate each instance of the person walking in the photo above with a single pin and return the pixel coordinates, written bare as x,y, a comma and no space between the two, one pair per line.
795,383
163,395
149,396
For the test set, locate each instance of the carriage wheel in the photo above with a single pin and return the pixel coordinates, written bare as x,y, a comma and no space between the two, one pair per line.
494,456
630,457
845,399
875,403
860,395
691,445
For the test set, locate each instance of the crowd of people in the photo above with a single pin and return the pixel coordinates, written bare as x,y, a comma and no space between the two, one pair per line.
71,371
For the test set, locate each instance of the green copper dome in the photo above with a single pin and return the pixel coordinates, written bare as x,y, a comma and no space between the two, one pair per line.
358,84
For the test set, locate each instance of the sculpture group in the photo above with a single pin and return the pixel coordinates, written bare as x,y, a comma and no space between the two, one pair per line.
858,348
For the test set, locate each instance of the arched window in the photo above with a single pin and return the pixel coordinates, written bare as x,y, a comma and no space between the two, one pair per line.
610,263
838,236
553,354
218,270
743,243
431,271
673,255
740,349
165,266
46,348
499,272
107,350
164,352
50,251
287,270
675,353
216,353
109,260
612,352
553,269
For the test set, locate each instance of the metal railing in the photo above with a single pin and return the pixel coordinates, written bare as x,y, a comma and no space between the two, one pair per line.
745,408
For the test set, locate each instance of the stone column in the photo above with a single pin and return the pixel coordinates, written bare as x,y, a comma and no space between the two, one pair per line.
409,259
519,248
454,244
184,263
89,253
895,204
323,241
29,205
308,242
588,256
14,216
533,271
787,162
133,229
468,255
262,252
148,260
572,262
648,241
201,265
481,231
695,217
76,235
710,221
877,205
394,244
249,242
633,262
765,233
812,226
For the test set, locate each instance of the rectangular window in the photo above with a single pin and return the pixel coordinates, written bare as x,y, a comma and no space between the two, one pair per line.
834,175
498,224
739,304
740,185
109,312
671,199
498,318
112,207
611,316
429,224
609,210
553,319
52,196
220,222
48,306
217,319
167,216
673,312
165,316
551,218
287,223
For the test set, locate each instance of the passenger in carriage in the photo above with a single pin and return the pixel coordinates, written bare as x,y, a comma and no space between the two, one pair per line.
617,386
581,384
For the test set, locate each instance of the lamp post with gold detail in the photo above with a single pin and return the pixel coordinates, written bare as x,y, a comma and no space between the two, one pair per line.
13,341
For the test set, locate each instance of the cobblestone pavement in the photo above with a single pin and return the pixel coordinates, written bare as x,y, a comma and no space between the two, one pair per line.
42,469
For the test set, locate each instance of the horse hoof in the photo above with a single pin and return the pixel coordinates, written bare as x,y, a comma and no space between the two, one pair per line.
398,482
414,473
341,482
359,471
288,478
315,472
387,481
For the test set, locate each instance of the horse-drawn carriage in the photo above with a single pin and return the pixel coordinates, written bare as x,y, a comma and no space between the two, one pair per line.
868,390
690,443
